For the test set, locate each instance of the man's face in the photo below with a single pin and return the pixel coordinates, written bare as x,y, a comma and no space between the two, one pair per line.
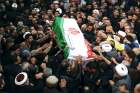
98,40
57,13
122,23
1,30
56,6
109,29
79,20
116,13
122,88
17,51
22,5
7,2
90,28
129,17
49,12
104,19
91,19
135,17
123,15
104,4
89,6
137,11
30,39
138,67
33,60
107,22
127,29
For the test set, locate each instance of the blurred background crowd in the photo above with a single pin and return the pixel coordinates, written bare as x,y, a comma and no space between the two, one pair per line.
31,61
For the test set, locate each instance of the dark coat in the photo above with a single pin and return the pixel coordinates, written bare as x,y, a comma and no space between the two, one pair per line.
25,89
90,36
31,88
3,91
137,29
73,78
54,90
10,72
135,77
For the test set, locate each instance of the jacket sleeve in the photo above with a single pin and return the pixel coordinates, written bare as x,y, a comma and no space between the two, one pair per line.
64,90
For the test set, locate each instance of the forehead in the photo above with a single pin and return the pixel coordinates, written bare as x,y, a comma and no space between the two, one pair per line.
123,13
135,15
89,5
123,20
116,11
127,26
49,11
30,36
105,18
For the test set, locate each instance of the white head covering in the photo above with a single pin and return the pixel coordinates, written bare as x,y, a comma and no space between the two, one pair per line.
14,5
100,23
37,9
121,70
106,47
21,82
59,10
122,33
26,33
96,11
52,80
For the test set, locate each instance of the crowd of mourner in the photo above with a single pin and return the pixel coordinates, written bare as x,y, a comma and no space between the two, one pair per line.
32,62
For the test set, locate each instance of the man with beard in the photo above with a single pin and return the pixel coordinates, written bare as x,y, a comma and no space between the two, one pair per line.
90,34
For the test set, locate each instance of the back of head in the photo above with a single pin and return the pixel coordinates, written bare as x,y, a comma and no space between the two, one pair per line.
52,81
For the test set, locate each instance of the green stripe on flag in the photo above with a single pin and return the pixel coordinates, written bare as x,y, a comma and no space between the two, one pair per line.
57,27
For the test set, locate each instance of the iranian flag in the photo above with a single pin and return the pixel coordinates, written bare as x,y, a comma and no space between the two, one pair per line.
70,38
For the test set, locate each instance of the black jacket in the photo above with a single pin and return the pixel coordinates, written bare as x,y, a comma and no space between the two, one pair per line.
25,89
54,90
34,88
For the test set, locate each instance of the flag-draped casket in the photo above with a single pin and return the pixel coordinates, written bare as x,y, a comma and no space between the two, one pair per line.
70,38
